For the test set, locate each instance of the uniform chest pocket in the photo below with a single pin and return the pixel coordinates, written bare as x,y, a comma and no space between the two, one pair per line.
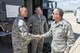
61,33
36,24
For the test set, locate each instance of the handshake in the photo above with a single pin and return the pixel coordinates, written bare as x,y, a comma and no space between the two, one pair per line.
37,37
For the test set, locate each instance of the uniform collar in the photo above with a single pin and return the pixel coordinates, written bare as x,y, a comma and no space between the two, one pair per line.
38,16
21,17
60,23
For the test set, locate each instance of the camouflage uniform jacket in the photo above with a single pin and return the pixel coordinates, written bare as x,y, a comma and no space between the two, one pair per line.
20,36
39,24
62,35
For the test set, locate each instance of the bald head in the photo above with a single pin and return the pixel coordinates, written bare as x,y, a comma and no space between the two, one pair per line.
23,12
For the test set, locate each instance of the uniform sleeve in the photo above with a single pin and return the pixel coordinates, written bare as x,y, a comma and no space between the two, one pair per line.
47,34
70,39
24,31
29,23
45,25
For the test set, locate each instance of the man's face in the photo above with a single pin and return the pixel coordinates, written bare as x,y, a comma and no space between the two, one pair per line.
23,12
56,15
38,11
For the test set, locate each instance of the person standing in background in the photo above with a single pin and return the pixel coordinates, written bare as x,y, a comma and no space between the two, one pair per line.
38,25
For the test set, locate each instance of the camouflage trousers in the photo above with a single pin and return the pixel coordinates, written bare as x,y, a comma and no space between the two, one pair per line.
37,47
20,49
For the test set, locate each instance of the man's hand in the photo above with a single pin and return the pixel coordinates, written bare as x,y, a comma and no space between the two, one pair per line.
65,51
37,37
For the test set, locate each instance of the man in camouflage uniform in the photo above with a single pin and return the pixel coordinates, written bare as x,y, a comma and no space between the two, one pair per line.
61,32
38,25
20,35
